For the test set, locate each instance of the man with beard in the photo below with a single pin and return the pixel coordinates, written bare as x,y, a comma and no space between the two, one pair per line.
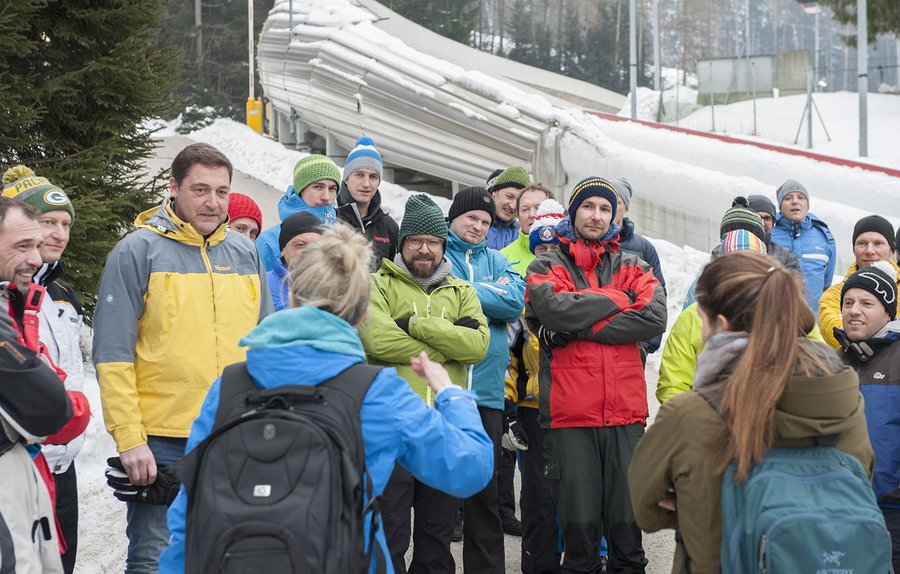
418,306
590,305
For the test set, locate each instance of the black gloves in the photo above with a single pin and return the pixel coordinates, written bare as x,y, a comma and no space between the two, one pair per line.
161,492
550,339
403,324
467,322
514,437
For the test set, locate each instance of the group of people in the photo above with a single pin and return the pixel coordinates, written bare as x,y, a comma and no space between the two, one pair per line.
509,335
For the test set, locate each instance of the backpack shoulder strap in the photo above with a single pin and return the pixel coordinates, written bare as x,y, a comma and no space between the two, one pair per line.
236,382
355,381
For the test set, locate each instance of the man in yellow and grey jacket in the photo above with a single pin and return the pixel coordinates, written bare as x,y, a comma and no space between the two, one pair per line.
175,297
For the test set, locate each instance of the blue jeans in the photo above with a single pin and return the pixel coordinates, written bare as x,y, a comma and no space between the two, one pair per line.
147,532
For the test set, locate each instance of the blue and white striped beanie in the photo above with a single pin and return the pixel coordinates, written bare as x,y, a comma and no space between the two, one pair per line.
364,155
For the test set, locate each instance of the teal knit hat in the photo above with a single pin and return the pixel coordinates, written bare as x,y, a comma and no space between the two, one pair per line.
513,176
312,168
21,183
423,217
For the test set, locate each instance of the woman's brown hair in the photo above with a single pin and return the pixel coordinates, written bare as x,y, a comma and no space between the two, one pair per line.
758,295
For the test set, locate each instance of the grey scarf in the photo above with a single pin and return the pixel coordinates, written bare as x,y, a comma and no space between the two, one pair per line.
427,283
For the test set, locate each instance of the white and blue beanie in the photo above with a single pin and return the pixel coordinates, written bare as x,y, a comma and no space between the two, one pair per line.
365,156
549,214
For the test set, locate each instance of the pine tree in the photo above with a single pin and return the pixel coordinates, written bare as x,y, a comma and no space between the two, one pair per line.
216,74
78,78
883,16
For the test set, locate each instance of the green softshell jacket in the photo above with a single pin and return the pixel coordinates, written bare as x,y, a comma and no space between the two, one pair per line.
431,316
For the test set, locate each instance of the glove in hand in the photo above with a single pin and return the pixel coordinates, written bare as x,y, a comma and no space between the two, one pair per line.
403,323
550,339
162,492
514,438
469,322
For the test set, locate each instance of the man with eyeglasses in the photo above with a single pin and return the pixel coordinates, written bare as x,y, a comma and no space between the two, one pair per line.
418,306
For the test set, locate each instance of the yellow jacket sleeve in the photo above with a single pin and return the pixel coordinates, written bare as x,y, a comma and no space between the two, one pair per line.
679,357
830,313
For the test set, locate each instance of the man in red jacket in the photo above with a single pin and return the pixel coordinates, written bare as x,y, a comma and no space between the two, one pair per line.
20,300
590,306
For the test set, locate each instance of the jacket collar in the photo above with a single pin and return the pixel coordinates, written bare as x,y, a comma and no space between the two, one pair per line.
163,221
291,203
345,201
48,273
454,243
627,230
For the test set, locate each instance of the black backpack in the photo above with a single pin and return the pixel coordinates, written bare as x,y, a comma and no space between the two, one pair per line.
279,484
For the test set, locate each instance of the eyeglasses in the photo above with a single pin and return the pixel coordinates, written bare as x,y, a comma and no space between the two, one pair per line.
417,243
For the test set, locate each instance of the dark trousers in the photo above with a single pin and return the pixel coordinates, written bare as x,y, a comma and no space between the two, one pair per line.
587,472
435,513
506,484
67,514
892,519
482,529
540,528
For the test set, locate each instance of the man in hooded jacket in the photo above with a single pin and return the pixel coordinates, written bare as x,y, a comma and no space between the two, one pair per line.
590,305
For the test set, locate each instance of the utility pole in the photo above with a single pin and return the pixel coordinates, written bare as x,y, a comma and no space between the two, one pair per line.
252,91
816,48
632,48
198,22
862,70
657,71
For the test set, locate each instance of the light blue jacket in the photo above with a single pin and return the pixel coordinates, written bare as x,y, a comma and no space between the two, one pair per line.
812,242
279,285
501,303
445,447
289,204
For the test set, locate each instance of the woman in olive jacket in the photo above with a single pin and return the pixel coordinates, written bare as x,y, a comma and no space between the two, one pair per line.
759,384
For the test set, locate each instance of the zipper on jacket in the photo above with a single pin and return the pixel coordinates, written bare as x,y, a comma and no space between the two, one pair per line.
469,263
252,287
212,288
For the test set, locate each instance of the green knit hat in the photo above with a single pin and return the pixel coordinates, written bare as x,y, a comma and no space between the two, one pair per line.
21,183
513,176
312,168
423,217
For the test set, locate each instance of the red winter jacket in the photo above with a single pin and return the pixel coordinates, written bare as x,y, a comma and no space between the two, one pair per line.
606,302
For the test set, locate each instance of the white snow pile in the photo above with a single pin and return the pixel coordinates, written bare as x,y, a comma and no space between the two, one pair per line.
273,164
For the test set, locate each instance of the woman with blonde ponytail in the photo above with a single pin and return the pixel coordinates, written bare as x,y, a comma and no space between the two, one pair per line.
760,384
316,340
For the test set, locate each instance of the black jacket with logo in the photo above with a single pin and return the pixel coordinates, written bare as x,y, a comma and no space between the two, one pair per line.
378,227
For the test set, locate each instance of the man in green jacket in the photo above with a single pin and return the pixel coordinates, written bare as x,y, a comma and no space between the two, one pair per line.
417,306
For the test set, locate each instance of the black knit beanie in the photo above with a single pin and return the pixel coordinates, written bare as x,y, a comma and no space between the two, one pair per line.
471,199
761,203
880,280
297,224
877,224
741,216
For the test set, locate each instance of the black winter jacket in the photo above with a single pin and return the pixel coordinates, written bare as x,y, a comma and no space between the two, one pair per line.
378,227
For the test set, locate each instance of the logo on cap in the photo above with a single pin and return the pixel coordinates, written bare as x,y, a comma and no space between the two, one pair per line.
547,233
55,197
